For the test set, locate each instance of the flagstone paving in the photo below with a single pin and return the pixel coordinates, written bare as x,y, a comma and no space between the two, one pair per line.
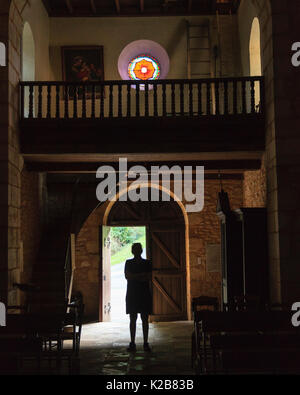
103,349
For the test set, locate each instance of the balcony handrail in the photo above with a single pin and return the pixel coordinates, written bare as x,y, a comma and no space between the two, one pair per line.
140,82
168,98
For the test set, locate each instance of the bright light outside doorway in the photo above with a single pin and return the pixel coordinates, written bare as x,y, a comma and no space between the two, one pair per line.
122,239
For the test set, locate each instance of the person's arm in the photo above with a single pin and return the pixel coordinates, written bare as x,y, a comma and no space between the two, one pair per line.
138,276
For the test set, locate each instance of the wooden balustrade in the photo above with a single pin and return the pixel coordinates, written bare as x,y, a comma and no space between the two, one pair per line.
129,99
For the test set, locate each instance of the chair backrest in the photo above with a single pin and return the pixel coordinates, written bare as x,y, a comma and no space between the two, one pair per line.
247,321
205,303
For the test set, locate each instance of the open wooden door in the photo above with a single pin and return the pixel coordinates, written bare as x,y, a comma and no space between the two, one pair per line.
167,248
105,296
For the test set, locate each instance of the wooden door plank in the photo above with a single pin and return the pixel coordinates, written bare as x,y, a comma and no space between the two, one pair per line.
130,210
166,295
165,250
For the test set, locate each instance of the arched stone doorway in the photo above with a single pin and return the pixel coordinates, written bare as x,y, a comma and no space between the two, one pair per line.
167,246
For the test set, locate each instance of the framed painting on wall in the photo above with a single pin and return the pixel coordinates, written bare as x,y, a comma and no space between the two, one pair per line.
83,64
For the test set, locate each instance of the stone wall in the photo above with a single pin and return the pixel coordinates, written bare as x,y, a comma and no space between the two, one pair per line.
10,160
31,210
204,229
255,188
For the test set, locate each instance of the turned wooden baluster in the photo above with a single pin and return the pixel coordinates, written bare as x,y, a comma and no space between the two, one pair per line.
181,99
22,101
217,96
137,99
75,101
155,113
48,101
83,101
173,108
93,109
128,100
101,101
244,106
57,113
262,96
199,99
146,99
31,101
120,112
191,107
40,102
111,98
252,88
164,99
235,101
208,99
66,101
225,97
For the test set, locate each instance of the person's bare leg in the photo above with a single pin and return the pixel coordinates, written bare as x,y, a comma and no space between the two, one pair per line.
132,327
145,322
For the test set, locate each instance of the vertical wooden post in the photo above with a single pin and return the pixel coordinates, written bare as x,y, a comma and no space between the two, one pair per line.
120,113
75,102
48,101
181,99
40,101
164,99
217,97
155,112
208,99
111,98
22,101
252,89
57,113
66,101
235,101
83,101
173,100
225,97
191,107
146,99
199,99
102,100
244,105
128,100
93,109
137,99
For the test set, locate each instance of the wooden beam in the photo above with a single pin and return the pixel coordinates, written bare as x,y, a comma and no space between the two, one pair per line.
69,6
93,7
165,250
166,295
117,3
130,210
47,6
142,6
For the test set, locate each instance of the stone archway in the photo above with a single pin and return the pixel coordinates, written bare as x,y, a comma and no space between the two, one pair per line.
153,234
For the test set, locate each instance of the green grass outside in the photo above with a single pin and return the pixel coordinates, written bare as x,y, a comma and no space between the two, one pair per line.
125,252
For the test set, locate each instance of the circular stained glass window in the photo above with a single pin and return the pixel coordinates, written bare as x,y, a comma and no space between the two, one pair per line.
144,67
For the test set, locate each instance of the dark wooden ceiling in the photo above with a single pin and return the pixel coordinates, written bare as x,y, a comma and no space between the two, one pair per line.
119,8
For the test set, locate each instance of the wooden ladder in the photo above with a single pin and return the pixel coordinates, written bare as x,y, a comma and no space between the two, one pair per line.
198,51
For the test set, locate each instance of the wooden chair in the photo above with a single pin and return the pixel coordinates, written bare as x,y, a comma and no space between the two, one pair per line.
18,343
226,334
200,303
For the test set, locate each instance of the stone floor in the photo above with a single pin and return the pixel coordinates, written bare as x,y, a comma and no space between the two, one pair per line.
103,349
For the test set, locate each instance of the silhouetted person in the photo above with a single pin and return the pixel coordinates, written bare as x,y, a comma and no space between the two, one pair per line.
138,297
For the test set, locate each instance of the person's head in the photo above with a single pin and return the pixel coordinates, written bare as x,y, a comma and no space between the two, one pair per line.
137,249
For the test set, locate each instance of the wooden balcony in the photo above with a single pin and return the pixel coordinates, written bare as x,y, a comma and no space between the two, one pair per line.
138,117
